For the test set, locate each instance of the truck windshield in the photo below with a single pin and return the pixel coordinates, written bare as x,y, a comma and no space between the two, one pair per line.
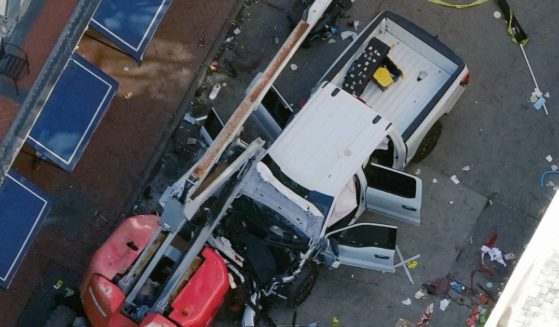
322,201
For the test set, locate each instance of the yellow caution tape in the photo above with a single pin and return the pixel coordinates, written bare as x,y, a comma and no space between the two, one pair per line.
451,5
509,30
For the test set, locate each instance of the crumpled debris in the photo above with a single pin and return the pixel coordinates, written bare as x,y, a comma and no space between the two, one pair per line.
444,304
425,318
412,264
457,287
455,179
420,295
549,158
406,301
494,254
467,168
435,181
417,172
347,34
293,67
510,256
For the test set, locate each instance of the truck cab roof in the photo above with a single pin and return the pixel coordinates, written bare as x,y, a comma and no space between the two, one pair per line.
329,139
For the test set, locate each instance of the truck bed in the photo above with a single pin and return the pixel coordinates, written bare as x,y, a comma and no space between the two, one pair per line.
414,51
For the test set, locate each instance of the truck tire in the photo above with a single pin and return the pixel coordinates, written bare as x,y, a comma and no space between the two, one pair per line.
303,284
61,316
429,142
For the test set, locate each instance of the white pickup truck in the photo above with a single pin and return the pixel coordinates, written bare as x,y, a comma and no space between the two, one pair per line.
253,228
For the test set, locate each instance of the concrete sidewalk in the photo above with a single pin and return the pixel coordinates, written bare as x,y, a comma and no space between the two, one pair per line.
91,201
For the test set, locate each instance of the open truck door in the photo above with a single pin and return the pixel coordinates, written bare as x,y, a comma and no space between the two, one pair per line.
365,245
393,193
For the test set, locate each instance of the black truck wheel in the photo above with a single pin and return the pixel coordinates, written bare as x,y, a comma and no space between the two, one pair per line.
303,284
429,142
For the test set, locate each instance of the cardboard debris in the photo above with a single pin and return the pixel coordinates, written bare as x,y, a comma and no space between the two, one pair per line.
455,179
347,34
444,304
426,316
420,295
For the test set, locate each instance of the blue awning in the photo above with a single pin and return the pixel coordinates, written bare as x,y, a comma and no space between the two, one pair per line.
130,24
22,208
71,112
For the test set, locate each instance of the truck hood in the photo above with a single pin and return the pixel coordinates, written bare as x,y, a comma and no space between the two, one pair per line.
262,186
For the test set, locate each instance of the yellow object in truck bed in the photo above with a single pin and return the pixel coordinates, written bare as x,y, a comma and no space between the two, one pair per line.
383,78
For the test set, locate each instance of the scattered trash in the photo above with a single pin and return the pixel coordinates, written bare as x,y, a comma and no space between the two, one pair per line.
426,316
466,168
494,254
455,179
213,66
547,95
438,286
128,95
406,301
510,256
540,103
542,178
484,298
354,24
444,304
470,239
330,41
237,31
276,40
490,202
58,284
347,34
422,75
125,68
435,181
497,14
404,323
229,39
451,202
457,287
554,167
549,158
335,322
293,67
202,41
190,118
215,91
417,171
552,185
411,264
489,285
420,295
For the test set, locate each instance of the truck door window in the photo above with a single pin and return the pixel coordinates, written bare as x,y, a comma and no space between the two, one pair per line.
384,155
277,107
390,181
368,236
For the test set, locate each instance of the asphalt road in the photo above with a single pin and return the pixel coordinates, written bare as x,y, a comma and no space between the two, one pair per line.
493,129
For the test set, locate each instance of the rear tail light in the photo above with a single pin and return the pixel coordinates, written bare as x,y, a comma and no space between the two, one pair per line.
465,80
